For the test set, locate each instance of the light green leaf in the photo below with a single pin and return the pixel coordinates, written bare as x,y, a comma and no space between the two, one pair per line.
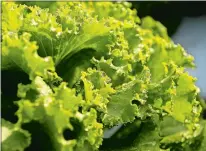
20,53
120,107
58,112
120,11
156,27
97,89
13,137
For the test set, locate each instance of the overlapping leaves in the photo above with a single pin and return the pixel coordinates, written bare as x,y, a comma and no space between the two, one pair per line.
115,71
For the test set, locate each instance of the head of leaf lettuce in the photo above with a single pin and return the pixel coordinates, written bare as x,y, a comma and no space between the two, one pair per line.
73,71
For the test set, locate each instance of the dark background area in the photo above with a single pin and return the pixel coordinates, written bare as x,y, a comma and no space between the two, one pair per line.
170,13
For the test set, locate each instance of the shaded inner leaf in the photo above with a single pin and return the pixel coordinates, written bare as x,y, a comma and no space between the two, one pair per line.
70,69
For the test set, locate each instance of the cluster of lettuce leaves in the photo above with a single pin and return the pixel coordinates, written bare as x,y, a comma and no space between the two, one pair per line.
72,71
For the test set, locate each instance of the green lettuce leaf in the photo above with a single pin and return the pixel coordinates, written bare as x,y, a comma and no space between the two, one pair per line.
13,137
120,107
58,112
20,53
202,147
92,66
